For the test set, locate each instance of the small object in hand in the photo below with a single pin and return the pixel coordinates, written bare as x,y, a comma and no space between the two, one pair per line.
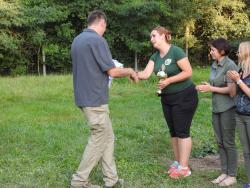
161,75
117,64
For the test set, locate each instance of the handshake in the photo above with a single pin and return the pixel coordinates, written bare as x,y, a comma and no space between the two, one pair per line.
133,76
119,72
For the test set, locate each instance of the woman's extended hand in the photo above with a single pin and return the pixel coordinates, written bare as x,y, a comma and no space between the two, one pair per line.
204,87
163,83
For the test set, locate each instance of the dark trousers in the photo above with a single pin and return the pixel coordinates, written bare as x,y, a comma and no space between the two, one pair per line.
243,124
224,128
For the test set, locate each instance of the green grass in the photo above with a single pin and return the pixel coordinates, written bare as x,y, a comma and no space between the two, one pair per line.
43,134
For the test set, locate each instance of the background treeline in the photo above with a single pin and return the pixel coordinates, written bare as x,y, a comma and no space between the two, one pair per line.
35,35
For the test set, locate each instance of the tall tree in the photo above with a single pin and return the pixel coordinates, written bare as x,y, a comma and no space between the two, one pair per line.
133,20
10,41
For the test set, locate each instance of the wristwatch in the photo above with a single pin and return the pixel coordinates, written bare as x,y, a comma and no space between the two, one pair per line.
239,82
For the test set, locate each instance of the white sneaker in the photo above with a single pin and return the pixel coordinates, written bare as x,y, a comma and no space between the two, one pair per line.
229,180
219,179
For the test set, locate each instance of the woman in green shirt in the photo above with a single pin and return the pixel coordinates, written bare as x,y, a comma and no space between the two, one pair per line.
223,118
178,96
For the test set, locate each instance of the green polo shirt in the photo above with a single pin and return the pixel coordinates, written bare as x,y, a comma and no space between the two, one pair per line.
171,68
218,78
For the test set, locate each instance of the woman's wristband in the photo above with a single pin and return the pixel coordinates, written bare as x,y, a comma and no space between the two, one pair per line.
239,82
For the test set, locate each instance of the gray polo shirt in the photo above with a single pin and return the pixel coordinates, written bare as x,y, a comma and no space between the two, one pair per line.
91,58
218,78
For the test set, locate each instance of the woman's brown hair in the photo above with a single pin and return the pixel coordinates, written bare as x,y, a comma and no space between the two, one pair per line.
162,30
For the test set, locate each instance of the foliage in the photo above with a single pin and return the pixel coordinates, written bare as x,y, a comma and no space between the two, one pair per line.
228,19
30,27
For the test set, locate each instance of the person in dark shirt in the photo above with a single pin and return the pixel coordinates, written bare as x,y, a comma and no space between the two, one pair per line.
179,97
92,66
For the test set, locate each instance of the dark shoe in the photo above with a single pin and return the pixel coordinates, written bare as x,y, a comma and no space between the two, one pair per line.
119,184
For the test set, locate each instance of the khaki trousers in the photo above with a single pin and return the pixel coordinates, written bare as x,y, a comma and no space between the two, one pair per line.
100,147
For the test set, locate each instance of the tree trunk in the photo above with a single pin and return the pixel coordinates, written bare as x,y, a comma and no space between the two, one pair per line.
187,33
38,61
44,65
136,62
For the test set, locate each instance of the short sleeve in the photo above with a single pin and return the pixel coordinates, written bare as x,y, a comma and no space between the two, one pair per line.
153,57
179,53
234,67
102,54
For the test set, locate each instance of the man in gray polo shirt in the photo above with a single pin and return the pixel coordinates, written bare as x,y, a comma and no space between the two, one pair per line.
92,66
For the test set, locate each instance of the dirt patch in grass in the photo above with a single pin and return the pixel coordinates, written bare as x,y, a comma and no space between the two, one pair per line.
210,162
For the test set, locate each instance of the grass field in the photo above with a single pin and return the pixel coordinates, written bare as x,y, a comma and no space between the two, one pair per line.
43,134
